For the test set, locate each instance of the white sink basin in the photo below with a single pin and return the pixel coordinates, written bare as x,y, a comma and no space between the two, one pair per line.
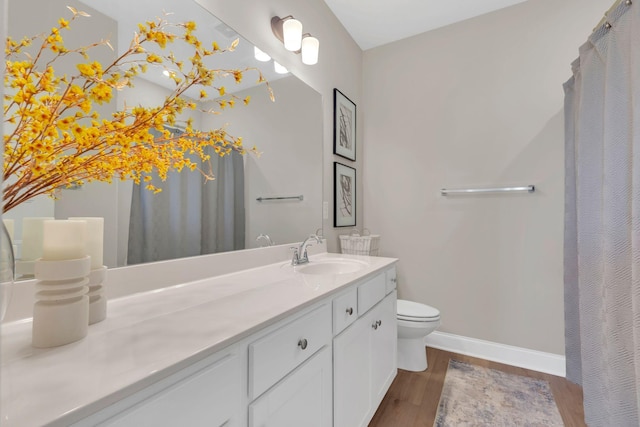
333,266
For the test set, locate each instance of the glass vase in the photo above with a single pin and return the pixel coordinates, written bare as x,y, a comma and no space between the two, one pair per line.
7,270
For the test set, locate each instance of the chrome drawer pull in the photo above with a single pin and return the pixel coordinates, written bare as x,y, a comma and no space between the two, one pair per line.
350,311
302,343
379,322
375,325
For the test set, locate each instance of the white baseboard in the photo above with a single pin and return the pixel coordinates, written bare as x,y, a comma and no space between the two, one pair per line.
549,363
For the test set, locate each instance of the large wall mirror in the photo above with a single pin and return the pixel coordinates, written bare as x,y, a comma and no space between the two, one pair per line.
278,194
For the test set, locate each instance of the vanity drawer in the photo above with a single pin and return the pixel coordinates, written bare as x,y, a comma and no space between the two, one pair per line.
278,353
370,293
391,280
345,311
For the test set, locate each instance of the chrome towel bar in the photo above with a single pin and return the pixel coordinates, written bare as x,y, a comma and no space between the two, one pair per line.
528,189
263,199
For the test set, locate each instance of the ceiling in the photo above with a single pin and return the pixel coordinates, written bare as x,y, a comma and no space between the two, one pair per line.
373,23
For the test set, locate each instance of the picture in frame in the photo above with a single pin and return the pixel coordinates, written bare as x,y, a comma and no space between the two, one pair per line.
344,126
344,193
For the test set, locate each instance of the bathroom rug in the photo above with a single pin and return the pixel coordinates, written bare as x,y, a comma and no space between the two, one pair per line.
477,396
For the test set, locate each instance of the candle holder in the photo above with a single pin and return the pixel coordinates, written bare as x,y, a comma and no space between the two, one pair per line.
97,298
61,311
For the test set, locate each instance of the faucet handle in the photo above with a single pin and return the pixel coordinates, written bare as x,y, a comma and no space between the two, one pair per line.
316,237
296,257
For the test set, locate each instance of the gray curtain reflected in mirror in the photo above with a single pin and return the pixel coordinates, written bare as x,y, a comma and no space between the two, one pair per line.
191,216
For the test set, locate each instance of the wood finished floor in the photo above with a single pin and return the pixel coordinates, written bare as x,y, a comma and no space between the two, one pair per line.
412,400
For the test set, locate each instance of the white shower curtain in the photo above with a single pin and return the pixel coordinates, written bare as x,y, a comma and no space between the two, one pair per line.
602,221
190,216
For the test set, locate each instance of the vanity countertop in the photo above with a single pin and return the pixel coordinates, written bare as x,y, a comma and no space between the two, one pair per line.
150,335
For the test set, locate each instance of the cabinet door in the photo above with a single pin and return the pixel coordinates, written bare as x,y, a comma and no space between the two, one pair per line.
384,343
210,397
303,398
351,374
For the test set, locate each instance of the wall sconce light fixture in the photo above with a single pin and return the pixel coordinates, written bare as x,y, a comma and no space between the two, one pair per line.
280,69
289,31
310,49
260,55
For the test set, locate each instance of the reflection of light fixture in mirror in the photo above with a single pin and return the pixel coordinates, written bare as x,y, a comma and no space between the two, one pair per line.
310,48
260,55
289,31
279,68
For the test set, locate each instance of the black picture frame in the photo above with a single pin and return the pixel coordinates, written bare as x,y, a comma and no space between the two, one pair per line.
344,126
344,195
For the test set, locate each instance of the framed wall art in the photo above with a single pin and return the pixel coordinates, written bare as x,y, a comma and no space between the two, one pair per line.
344,126
344,194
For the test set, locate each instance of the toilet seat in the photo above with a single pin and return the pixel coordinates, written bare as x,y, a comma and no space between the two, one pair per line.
415,312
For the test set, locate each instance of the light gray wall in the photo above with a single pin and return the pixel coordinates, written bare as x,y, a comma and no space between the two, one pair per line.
339,65
478,103
288,134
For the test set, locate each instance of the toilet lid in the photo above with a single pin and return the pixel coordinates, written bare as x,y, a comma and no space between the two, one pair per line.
410,310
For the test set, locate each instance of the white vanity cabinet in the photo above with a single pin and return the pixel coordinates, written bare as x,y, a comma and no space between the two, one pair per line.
327,364
364,357
210,396
302,397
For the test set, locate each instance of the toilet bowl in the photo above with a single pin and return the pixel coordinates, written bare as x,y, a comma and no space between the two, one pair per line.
415,322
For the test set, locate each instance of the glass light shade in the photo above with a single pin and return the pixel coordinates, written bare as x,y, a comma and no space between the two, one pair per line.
260,55
279,68
292,34
310,48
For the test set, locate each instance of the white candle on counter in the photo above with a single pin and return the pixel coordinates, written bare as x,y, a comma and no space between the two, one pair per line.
94,238
32,237
10,226
63,240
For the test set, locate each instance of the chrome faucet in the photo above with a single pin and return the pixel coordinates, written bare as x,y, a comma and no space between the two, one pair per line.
266,238
300,255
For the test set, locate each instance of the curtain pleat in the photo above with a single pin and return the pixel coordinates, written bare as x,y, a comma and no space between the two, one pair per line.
602,251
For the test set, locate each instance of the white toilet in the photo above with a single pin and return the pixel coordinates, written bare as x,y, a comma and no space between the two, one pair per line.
415,322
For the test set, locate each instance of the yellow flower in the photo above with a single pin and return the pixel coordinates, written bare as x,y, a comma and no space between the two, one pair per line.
101,93
86,70
153,58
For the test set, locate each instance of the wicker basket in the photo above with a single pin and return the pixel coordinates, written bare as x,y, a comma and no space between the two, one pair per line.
355,244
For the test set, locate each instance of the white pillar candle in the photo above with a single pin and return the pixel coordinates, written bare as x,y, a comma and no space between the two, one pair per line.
94,238
63,240
10,226
32,238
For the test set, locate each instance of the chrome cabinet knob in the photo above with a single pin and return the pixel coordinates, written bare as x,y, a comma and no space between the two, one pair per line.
394,280
350,311
379,322
375,325
303,343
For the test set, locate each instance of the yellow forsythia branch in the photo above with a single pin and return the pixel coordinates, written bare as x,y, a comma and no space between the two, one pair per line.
56,136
